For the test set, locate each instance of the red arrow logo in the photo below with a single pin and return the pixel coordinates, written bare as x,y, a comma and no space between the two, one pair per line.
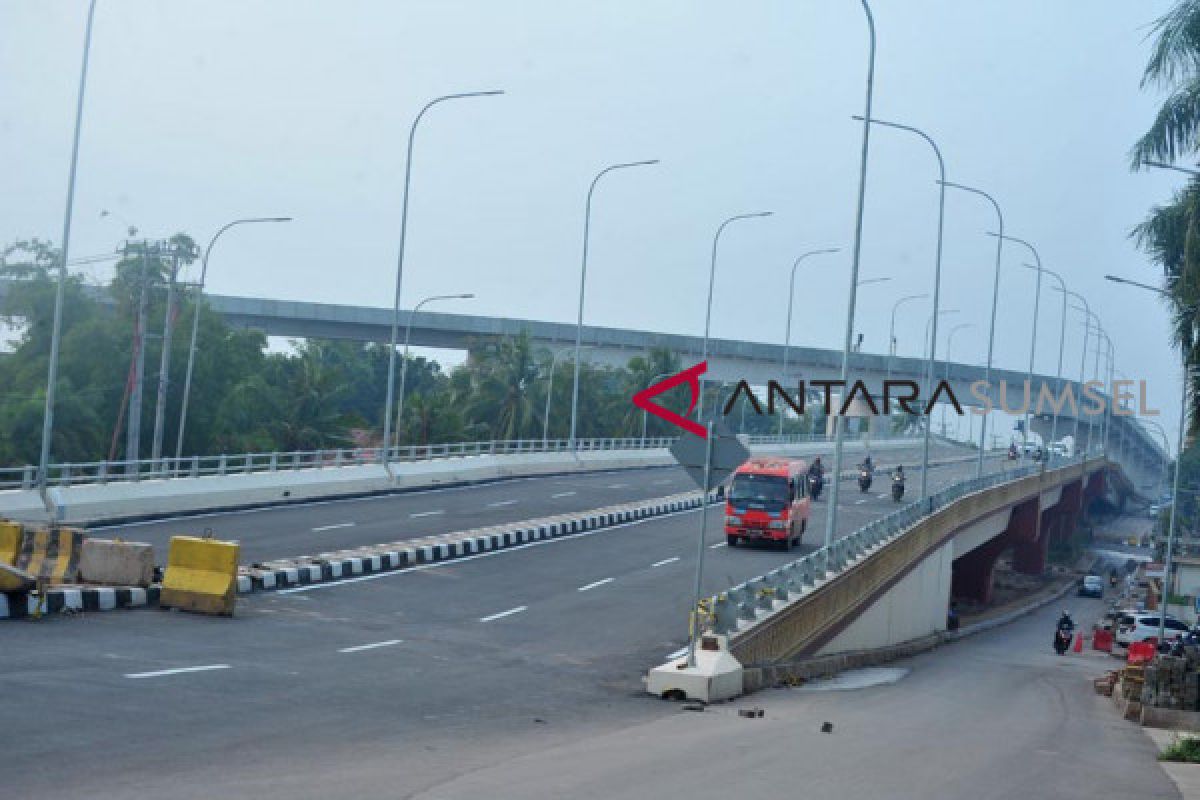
690,376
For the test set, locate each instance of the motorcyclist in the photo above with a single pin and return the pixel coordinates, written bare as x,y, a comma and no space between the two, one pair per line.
1012,451
1065,623
816,469
898,474
868,465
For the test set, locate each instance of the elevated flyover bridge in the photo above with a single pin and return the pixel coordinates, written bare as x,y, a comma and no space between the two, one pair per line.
729,360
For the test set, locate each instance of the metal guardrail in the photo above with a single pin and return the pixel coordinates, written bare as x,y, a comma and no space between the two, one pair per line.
741,603
103,472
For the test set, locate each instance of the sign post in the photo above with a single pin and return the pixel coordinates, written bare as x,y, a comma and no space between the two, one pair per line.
708,462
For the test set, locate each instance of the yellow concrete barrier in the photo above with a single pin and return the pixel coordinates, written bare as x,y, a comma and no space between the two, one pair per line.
14,580
201,576
50,555
10,541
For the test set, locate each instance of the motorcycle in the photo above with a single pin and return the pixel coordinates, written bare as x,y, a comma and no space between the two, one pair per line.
864,479
1062,640
897,487
815,484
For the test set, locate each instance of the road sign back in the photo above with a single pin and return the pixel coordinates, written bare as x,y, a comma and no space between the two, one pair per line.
728,453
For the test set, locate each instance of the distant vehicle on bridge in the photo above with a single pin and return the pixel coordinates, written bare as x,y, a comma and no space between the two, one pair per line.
768,500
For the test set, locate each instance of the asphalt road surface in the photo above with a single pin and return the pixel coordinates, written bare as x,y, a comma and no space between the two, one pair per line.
323,526
387,685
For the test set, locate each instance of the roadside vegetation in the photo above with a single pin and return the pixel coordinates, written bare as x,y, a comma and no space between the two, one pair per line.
323,394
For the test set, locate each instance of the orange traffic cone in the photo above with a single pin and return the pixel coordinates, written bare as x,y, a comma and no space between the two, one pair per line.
1078,648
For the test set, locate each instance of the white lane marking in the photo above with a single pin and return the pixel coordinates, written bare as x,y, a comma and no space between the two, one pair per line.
619,486
663,482
680,652
715,546
176,671
508,613
562,494
594,584
375,576
499,503
425,513
860,502
370,646
665,561
320,528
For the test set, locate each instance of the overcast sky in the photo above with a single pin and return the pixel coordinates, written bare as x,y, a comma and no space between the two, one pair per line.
201,111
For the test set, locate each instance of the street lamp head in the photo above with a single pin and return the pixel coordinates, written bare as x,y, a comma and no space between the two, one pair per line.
279,219
467,296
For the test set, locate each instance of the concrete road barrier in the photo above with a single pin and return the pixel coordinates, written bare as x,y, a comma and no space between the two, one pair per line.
50,554
13,580
10,541
112,562
201,576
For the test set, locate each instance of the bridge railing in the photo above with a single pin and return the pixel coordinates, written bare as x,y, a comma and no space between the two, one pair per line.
740,607
103,472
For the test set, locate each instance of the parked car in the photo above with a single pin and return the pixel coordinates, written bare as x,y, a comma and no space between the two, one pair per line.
1091,586
1139,627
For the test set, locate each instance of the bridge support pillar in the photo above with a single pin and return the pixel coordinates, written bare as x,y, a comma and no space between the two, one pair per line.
973,572
1029,542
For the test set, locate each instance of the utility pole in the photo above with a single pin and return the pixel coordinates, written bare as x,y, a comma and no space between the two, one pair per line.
164,364
134,425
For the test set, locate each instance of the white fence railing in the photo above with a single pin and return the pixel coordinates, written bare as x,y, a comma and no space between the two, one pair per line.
102,472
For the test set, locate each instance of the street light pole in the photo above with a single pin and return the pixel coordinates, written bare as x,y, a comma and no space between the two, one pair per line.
892,328
61,289
391,375
1062,336
404,361
1037,296
187,380
949,344
937,288
549,394
1087,331
1183,400
587,225
929,326
831,516
712,278
987,372
787,337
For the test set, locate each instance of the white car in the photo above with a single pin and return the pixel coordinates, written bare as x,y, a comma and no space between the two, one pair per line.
1143,625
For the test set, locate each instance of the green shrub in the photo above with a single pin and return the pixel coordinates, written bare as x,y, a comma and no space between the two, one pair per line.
1184,748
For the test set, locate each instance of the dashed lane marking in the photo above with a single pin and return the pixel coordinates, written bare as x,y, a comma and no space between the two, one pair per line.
499,503
562,494
503,614
320,528
426,513
665,561
372,646
177,671
594,584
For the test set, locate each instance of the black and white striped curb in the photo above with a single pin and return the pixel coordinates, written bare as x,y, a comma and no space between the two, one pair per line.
399,555
17,605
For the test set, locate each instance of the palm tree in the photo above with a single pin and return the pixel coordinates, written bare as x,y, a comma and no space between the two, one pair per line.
503,376
1174,66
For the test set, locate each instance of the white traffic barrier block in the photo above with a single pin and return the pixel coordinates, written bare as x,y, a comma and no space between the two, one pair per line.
116,563
716,676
